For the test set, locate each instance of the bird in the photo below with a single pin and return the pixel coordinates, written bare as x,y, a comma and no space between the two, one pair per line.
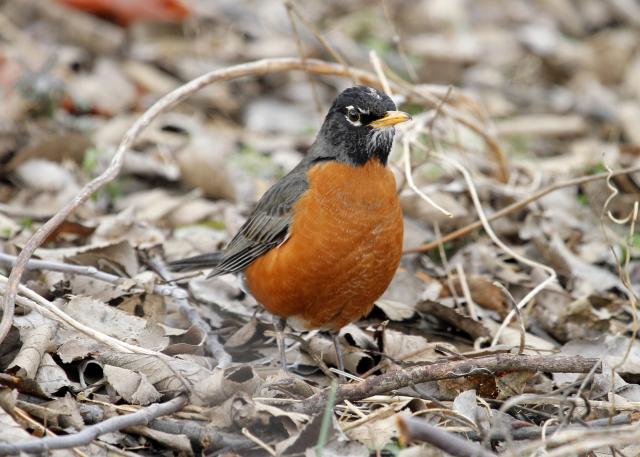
324,242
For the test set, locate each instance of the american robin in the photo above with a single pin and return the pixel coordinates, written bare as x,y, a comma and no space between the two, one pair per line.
324,242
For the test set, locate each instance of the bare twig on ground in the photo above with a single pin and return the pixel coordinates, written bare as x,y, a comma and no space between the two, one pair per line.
87,435
32,300
576,442
528,433
268,449
406,159
415,429
202,433
622,265
41,428
259,67
176,292
485,224
519,205
33,264
397,379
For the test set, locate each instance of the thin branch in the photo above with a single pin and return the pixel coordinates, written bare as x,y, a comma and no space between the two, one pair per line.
485,224
259,67
415,429
258,441
397,39
528,433
200,432
406,159
397,379
32,300
314,89
167,290
377,67
87,435
432,99
576,442
320,37
519,205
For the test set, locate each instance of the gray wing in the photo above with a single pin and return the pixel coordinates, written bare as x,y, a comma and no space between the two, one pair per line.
268,225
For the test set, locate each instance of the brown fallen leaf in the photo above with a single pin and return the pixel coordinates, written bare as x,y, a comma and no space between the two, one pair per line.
483,292
473,328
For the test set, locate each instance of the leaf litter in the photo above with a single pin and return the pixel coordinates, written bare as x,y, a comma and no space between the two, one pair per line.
555,85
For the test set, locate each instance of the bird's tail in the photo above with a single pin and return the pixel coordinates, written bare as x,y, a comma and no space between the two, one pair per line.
199,262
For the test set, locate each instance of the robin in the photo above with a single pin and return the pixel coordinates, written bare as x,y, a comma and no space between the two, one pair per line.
324,242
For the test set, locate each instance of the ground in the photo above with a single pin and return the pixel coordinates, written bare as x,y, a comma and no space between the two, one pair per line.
518,178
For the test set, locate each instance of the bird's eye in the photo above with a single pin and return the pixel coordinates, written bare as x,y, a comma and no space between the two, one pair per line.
353,116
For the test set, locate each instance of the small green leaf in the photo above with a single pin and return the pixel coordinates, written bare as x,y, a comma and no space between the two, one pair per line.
26,223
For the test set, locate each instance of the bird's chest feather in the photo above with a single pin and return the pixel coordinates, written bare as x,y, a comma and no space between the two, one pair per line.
344,246
352,205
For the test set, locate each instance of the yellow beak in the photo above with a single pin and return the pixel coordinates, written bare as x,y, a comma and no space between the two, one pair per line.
390,118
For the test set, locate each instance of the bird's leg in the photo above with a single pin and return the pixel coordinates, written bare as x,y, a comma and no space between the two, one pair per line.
336,344
279,325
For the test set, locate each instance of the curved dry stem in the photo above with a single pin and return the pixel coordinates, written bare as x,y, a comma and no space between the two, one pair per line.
519,205
485,223
434,99
32,300
85,436
406,159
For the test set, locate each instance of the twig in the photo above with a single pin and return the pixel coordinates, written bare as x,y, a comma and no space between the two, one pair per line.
489,139
41,428
314,89
380,413
87,435
191,314
514,304
485,224
397,39
623,266
259,67
202,433
575,442
444,259
528,433
462,279
32,300
406,157
377,67
397,379
313,29
167,290
518,205
258,441
415,429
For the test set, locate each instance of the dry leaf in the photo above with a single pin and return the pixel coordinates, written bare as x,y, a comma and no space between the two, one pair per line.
375,434
51,377
133,387
35,342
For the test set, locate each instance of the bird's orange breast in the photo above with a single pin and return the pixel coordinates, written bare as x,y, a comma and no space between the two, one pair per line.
344,247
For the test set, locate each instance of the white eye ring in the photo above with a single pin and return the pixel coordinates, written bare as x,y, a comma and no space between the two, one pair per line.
353,116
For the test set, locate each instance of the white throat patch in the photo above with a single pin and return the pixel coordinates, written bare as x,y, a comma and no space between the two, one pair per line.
380,138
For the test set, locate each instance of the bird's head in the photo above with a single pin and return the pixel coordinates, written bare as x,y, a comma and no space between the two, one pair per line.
360,126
